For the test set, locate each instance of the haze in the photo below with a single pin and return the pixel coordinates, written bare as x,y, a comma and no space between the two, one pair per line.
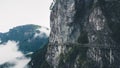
20,12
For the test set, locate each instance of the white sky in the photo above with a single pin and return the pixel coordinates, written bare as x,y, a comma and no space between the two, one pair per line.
20,12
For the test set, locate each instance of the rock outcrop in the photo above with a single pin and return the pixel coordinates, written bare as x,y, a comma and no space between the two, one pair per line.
84,34
94,24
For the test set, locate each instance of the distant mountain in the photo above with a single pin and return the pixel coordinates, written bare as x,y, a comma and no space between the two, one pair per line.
30,37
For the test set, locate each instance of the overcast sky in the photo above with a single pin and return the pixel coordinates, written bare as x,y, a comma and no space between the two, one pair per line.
20,12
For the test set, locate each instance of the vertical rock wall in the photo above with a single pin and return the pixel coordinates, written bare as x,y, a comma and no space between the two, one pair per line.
94,23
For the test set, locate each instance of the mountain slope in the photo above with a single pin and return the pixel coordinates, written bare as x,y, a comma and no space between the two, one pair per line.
30,37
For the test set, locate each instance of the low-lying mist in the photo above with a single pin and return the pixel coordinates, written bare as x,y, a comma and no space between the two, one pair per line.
11,57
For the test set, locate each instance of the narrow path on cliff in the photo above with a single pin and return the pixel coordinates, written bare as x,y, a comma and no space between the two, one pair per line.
90,45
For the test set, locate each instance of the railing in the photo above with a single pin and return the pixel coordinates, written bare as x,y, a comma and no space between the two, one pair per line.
90,45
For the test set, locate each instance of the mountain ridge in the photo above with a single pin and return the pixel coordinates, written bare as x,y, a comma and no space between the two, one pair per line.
29,36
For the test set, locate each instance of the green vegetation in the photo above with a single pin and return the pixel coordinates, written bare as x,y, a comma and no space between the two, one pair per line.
25,36
38,58
111,10
83,39
76,53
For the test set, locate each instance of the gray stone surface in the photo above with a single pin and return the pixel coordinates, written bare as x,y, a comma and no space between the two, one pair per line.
96,21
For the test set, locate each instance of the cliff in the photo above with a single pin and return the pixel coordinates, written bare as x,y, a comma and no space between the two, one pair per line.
84,34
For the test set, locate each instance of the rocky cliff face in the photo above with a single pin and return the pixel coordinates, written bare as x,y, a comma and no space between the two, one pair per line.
84,34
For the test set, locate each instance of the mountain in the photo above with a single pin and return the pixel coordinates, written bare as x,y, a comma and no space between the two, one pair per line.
84,34
30,37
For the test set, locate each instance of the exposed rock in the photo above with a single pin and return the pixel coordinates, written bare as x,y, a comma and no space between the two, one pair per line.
95,23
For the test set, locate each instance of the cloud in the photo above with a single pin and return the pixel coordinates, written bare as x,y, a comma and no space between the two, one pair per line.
9,54
43,32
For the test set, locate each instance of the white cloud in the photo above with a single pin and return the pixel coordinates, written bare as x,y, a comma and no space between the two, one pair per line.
42,31
45,31
9,54
21,63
